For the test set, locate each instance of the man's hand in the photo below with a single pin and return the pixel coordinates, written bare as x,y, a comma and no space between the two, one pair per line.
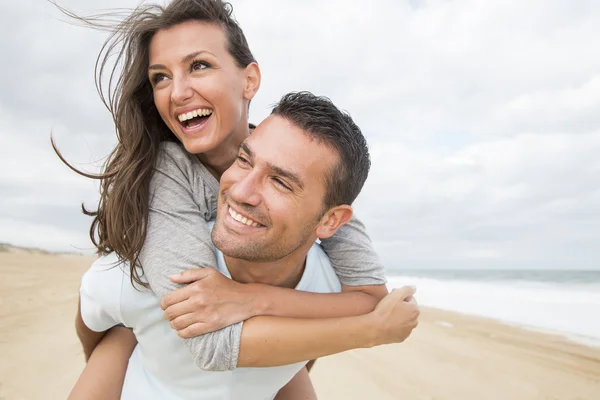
395,316
208,303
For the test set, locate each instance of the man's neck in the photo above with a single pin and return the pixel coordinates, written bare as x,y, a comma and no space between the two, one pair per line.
285,272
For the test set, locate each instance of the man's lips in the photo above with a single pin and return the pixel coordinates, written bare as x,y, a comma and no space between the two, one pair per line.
243,219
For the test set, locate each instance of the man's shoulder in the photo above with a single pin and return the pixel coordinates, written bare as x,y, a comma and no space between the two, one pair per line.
316,254
319,274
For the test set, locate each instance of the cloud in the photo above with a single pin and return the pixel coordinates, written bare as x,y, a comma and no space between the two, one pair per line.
531,198
482,119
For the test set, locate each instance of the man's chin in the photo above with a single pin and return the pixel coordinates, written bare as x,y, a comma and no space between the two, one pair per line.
227,242
241,252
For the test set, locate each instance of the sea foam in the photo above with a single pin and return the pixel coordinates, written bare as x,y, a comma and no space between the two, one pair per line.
570,309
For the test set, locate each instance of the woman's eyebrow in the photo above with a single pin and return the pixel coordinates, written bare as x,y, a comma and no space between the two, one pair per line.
184,60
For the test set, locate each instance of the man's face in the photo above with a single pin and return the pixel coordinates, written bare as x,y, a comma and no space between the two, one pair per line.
271,198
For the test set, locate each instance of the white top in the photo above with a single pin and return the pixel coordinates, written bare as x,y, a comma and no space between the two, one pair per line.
161,366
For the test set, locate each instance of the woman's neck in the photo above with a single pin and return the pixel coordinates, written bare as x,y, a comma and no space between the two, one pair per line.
218,160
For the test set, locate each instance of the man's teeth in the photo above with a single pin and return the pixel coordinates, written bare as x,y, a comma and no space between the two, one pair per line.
201,112
241,218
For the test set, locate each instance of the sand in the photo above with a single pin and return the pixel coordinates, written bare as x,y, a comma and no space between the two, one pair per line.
449,356
452,356
39,353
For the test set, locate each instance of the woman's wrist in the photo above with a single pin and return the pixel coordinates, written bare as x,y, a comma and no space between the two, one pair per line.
259,300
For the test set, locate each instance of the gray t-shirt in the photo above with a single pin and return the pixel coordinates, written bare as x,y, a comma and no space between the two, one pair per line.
183,197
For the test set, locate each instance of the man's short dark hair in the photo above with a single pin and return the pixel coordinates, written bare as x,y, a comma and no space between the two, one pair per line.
322,120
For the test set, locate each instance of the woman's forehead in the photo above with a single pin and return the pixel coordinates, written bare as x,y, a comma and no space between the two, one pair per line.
186,38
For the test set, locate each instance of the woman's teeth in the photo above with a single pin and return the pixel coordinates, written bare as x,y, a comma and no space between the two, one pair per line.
201,112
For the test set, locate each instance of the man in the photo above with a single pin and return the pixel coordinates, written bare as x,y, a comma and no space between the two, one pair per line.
293,182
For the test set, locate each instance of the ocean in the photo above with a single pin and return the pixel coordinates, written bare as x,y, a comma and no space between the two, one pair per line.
561,302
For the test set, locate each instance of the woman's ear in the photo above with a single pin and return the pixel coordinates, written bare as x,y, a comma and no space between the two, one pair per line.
252,73
333,220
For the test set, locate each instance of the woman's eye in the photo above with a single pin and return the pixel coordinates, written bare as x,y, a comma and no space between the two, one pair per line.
199,65
157,78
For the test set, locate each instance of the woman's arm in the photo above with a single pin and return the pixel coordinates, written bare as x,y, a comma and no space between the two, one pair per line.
274,341
183,197
355,261
353,256
210,301
104,374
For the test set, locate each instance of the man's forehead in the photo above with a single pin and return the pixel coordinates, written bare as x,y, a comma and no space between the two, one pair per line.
284,145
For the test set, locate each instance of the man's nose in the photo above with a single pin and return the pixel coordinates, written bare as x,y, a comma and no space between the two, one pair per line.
247,190
182,91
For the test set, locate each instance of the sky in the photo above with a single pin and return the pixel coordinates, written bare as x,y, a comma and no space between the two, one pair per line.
482,119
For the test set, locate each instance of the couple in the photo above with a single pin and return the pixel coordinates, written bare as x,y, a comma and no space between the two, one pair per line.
266,296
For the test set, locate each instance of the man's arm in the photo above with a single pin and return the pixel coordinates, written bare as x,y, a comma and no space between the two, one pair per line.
89,339
299,388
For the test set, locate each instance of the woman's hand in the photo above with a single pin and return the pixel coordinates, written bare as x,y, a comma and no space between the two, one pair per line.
209,302
395,317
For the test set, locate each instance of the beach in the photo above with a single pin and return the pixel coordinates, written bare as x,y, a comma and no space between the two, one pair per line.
453,356
449,356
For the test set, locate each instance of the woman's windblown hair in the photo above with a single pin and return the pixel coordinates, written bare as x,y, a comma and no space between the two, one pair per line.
121,74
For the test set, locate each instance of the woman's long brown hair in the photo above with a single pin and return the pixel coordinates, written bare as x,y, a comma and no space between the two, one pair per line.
120,220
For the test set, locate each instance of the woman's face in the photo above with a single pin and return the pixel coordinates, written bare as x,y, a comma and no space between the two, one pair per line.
199,91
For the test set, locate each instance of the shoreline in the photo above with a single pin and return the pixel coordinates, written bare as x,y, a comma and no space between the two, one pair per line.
583,340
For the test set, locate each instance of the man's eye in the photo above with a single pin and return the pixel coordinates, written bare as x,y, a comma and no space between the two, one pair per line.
282,184
242,160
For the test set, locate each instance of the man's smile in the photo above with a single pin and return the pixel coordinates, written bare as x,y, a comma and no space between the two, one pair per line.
243,219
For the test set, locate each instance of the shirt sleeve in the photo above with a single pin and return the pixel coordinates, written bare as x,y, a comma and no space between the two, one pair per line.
353,257
183,197
100,295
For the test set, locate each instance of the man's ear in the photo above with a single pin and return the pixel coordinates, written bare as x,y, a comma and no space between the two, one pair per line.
333,220
253,77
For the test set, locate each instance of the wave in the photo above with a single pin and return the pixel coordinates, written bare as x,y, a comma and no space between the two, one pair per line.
570,309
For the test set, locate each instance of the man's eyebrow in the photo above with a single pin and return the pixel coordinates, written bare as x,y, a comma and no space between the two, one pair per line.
278,170
189,58
246,149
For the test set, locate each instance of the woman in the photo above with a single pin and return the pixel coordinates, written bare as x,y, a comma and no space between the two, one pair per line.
188,75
